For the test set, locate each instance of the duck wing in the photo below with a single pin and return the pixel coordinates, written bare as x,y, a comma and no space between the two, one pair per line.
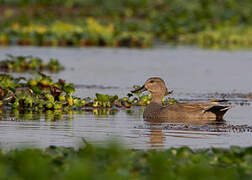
193,106
199,106
196,110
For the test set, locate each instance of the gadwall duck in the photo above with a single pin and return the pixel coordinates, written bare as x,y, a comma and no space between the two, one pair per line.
180,111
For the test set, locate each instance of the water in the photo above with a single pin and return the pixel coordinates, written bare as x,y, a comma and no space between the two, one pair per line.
192,73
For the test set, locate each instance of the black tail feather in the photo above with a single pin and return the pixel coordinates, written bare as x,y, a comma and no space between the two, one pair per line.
219,111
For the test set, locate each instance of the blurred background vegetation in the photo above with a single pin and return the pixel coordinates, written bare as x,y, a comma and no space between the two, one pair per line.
113,162
131,22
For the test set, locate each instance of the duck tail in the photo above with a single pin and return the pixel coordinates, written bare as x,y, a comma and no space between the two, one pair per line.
219,111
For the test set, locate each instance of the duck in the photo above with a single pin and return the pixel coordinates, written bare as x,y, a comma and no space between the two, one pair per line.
192,111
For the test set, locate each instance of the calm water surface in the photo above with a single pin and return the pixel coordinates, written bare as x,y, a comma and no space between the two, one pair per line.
192,73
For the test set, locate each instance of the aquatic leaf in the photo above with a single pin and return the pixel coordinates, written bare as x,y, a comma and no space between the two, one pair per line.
112,99
33,82
69,88
104,98
15,104
28,101
62,97
57,105
36,90
26,63
49,97
6,82
49,105
70,100
144,98
45,82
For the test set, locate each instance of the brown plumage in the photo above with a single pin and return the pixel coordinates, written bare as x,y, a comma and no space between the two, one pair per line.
181,111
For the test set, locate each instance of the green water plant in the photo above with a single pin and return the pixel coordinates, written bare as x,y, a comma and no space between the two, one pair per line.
137,39
222,38
124,22
29,63
114,162
37,93
40,93
87,33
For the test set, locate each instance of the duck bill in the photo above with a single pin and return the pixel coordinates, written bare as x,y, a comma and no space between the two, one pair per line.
139,90
168,92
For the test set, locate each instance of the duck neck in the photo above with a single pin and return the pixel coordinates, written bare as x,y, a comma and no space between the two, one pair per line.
157,98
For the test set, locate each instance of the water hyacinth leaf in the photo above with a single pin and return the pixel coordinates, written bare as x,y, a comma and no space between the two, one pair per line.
49,97
112,99
41,103
78,102
57,105
46,81
70,100
144,98
69,88
36,90
41,93
102,97
83,102
28,63
49,105
28,101
22,94
33,82
38,76
62,97
15,104
34,63
95,103
6,82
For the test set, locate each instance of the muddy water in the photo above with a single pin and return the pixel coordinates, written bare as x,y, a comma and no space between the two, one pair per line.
192,73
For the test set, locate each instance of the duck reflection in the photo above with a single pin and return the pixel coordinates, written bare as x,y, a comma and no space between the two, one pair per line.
156,136
158,129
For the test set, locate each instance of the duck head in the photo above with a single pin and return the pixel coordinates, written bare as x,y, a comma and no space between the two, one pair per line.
156,86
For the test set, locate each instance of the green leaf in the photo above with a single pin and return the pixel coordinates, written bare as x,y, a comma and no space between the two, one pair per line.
102,97
69,88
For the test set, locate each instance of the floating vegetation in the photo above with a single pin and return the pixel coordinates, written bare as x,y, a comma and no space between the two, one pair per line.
28,63
40,93
138,39
224,38
114,162
109,23
88,33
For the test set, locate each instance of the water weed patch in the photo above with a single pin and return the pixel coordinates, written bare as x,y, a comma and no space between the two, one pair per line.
124,23
29,63
41,93
113,162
